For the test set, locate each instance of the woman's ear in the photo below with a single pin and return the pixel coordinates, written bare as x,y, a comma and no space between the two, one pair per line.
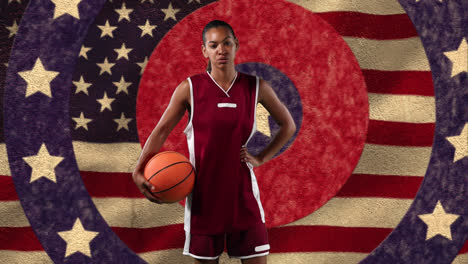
204,51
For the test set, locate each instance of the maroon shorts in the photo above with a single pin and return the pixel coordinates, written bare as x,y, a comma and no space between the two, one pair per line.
249,243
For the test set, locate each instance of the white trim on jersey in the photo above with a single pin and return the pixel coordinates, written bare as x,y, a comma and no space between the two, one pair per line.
187,249
226,92
255,189
262,247
191,106
191,146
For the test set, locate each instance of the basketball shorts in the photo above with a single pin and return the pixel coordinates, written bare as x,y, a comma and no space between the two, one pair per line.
244,244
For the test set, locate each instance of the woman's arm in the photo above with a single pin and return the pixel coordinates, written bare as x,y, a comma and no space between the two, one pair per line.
279,112
171,116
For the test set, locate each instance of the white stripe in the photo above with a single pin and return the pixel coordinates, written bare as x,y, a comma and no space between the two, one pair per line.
251,256
402,108
191,147
21,257
461,259
231,105
254,126
199,257
189,124
106,157
4,165
222,89
376,7
389,55
12,214
262,247
140,214
375,159
358,212
393,160
253,178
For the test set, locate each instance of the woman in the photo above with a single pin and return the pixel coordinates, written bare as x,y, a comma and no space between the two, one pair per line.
225,202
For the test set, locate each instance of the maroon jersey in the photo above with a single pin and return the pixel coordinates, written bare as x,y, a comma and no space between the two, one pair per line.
225,197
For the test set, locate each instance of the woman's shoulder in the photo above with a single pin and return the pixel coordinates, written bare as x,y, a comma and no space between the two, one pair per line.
198,75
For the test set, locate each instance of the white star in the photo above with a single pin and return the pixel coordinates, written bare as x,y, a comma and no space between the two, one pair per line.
147,29
78,239
105,102
170,12
143,65
66,7
105,67
38,79
84,51
122,52
43,164
81,121
263,126
81,86
190,1
107,29
151,1
13,29
6,64
124,13
122,122
122,86
438,222
460,143
459,58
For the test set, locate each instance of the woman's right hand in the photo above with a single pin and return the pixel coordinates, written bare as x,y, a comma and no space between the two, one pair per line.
145,187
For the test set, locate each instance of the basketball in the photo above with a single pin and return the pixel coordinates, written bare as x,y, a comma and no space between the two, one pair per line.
172,174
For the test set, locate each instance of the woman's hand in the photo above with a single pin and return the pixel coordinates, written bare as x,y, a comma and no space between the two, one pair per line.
145,187
246,157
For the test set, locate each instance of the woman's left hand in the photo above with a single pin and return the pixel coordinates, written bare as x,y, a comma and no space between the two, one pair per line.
246,157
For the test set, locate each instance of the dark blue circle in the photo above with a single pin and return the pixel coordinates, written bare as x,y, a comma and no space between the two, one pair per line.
286,92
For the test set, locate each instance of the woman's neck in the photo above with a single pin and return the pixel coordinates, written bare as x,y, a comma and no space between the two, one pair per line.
223,76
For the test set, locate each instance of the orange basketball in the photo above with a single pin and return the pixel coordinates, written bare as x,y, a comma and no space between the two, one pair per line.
172,175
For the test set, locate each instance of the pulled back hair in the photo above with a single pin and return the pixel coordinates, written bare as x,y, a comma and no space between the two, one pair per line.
215,24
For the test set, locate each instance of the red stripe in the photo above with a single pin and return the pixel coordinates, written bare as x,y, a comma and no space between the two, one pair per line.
354,24
19,238
325,238
400,134
110,184
464,249
358,185
388,186
8,192
399,82
282,239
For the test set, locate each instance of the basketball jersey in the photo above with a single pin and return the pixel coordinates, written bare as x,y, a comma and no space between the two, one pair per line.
225,197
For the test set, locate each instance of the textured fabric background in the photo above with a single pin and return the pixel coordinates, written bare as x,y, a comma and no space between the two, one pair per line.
375,173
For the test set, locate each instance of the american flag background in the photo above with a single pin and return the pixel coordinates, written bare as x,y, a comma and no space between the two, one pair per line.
69,136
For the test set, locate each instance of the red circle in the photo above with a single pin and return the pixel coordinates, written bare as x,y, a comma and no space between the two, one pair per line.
320,64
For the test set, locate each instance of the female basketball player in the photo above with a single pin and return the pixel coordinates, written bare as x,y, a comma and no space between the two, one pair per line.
225,202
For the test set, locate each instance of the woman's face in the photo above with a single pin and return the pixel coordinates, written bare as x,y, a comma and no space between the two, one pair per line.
220,47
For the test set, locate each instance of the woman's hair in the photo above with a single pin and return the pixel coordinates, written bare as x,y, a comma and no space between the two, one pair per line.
215,24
